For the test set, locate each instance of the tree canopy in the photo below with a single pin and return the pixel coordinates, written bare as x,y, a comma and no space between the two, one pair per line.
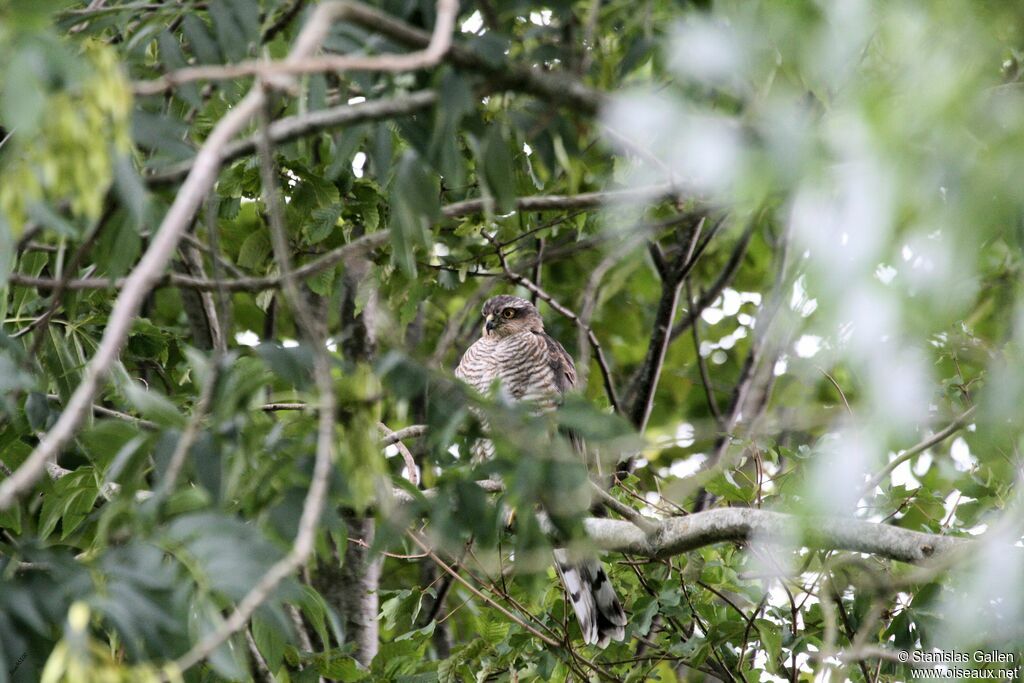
243,243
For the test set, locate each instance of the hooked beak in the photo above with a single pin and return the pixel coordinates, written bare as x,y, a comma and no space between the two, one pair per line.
490,323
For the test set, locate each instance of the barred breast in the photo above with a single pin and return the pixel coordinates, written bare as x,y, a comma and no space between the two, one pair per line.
520,362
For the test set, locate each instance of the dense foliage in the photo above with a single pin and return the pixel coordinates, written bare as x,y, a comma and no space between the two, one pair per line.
781,239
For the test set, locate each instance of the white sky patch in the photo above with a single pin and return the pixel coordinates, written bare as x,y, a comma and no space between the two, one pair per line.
885,273
527,150
331,345
781,365
358,99
358,163
731,302
922,463
473,23
808,346
390,451
961,454
405,474
712,316
684,435
719,357
726,342
454,450
903,475
745,320
751,298
289,343
247,338
686,467
541,18
906,252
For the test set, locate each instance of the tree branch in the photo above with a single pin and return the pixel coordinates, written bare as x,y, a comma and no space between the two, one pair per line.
136,287
246,284
583,200
313,34
294,127
683,534
553,87
195,188
937,438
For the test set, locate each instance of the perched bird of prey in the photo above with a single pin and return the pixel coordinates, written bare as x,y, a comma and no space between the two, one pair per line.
533,367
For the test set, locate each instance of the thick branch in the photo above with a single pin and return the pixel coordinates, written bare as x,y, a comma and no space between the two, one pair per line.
682,534
552,87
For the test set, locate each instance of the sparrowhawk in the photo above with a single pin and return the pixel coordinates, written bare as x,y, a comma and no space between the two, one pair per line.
532,366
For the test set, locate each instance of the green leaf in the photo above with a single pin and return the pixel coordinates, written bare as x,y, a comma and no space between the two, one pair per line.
255,250
119,246
270,641
154,406
200,41
173,58
414,207
499,171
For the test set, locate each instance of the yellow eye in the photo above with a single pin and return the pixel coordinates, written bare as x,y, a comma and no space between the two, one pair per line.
509,313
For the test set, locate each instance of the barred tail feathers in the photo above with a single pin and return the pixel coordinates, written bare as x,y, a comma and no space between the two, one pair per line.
593,598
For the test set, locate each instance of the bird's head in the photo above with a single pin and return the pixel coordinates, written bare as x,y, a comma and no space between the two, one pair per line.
507,315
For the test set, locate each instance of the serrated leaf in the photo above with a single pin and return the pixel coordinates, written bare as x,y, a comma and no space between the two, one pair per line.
255,250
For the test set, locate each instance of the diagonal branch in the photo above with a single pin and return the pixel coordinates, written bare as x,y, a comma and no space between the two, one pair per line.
294,127
672,277
302,60
136,287
937,438
195,188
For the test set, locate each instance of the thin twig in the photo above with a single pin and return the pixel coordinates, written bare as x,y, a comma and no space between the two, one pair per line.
702,368
646,525
937,438
294,127
478,593
410,462
188,436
